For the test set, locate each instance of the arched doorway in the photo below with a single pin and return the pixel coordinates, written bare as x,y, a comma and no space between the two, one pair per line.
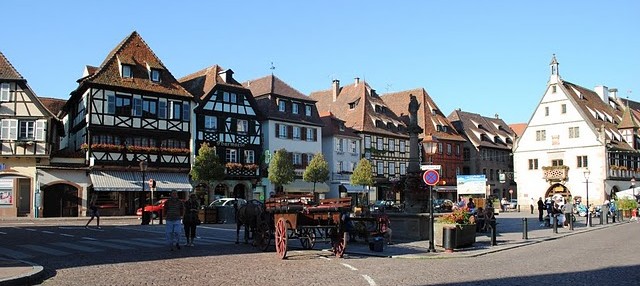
220,191
558,189
239,191
60,200
613,194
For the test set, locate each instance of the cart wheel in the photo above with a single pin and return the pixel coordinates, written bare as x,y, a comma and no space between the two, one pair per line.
340,244
281,238
263,239
308,238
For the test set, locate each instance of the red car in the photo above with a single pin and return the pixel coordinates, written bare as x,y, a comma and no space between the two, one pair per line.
155,209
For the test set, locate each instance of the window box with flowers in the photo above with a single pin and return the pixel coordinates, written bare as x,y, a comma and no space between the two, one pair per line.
233,166
175,151
107,147
250,167
142,149
464,223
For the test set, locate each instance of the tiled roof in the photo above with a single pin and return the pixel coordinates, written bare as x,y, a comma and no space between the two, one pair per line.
134,51
332,126
495,131
53,104
270,89
518,128
202,82
363,116
7,71
628,119
429,114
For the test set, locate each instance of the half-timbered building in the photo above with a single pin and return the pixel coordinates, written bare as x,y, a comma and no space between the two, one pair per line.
385,141
128,113
227,119
291,123
25,142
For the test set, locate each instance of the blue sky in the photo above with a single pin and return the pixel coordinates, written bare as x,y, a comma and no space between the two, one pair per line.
485,57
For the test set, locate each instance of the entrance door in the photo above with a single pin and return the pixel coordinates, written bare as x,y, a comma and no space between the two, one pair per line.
239,191
60,201
24,197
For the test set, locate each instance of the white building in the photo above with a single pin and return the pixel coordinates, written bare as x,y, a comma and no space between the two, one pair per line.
572,130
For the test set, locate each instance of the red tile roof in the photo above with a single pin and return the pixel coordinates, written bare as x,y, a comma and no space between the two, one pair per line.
134,51
7,71
332,126
518,128
273,85
53,104
202,82
474,126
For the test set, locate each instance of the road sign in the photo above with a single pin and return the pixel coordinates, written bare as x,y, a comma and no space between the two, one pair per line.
152,183
431,177
430,167
510,191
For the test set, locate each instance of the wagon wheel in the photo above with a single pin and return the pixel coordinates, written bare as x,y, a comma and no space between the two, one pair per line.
307,238
281,238
339,243
263,237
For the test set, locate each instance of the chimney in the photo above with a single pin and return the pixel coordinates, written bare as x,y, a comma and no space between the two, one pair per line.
226,75
603,92
335,88
613,92
497,117
357,80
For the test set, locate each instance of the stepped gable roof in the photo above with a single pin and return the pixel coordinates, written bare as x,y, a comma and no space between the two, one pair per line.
332,126
54,105
202,82
601,115
134,51
483,131
429,114
363,116
270,89
7,71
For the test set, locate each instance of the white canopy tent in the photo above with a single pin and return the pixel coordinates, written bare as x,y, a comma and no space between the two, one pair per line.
628,193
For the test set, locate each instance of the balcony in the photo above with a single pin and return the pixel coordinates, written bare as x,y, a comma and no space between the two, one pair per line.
621,172
555,173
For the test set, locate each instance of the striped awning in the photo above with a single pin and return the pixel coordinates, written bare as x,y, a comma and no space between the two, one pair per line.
354,189
117,181
299,186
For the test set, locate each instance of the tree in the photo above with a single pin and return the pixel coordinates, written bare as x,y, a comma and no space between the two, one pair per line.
207,166
317,171
363,174
281,168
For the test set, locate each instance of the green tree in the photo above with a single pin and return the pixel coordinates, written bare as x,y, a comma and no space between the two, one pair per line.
363,174
207,166
317,171
281,168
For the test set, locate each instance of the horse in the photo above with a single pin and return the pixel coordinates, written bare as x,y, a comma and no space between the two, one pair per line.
248,215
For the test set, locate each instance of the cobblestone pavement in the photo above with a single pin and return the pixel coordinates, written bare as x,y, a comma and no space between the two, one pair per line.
602,254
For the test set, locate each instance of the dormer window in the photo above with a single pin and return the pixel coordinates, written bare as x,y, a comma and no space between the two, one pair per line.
341,126
294,108
126,71
155,75
307,110
281,106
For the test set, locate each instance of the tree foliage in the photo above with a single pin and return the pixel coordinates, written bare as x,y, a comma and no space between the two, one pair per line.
363,174
281,168
207,166
317,171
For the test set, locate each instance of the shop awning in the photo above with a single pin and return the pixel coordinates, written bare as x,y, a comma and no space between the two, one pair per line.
300,186
445,189
117,181
354,189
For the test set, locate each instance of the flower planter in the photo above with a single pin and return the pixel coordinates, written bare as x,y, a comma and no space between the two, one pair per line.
464,235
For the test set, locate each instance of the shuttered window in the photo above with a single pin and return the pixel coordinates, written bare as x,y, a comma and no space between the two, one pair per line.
41,130
4,92
9,129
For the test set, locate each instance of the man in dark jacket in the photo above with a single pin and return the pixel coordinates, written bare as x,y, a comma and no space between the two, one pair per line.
540,208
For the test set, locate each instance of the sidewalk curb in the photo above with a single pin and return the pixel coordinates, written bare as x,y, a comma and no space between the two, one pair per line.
32,276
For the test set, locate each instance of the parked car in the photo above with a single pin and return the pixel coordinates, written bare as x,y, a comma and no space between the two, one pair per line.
228,202
442,205
513,203
155,209
389,206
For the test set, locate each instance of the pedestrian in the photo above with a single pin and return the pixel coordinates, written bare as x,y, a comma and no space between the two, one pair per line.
94,211
567,209
460,203
471,205
174,210
504,203
533,203
383,222
540,209
191,220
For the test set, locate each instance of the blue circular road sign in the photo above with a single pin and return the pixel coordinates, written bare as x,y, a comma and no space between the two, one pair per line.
431,177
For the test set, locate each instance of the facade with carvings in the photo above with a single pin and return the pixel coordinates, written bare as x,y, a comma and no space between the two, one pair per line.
226,118
572,130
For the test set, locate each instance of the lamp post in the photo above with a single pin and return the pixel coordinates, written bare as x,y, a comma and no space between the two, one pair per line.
143,168
586,181
633,186
431,147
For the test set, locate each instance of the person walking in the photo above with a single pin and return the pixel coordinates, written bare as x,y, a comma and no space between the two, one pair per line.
174,210
190,220
383,222
540,209
533,203
567,208
94,211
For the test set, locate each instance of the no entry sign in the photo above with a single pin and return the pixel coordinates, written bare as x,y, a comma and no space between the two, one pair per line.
431,177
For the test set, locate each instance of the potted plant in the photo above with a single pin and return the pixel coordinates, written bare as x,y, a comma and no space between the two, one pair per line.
464,223
626,205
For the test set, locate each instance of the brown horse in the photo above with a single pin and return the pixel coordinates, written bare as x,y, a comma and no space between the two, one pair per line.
249,216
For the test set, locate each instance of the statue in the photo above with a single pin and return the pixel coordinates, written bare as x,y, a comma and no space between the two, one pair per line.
413,111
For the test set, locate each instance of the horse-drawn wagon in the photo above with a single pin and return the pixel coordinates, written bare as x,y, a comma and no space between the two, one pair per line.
296,217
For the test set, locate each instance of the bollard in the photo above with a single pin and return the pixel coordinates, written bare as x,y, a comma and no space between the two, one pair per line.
160,218
493,233
601,215
555,223
525,234
448,237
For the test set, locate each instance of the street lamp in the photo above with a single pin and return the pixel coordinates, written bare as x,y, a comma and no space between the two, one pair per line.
586,181
430,147
633,186
143,168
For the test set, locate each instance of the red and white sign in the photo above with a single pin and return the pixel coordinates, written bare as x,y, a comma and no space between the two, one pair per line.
151,181
431,177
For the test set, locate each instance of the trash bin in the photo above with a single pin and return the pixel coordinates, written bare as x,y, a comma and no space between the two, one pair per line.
146,217
448,239
377,244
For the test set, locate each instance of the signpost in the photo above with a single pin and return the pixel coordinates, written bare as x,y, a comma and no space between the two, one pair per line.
431,177
152,187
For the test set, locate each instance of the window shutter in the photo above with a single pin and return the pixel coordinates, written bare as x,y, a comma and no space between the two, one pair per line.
290,132
277,130
304,160
186,111
13,129
5,95
41,130
303,133
4,129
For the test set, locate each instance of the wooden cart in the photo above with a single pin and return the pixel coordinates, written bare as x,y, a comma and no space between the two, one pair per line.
296,217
